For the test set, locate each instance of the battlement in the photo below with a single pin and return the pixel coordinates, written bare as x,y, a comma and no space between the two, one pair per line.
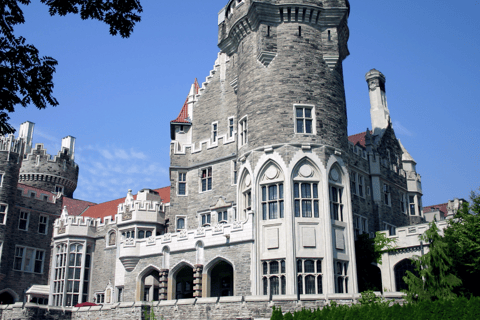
11,144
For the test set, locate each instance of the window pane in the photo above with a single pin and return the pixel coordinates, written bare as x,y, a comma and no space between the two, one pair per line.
274,286
209,180
300,284
299,113
265,268
319,266
264,193
309,266
283,266
272,192
310,285
319,285
334,194
265,286
273,210
315,190
204,185
300,126
299,266
281,209
315,209
297,208
284,285
77,273
308,113
306,190
274,267
308,126
307,208
264,211
296,191
280,191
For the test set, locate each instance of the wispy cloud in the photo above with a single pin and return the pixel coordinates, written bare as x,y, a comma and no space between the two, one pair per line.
401,130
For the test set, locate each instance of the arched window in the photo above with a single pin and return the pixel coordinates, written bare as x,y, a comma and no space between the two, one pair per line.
274,277
180,224
271,193
245,194
336,194
309,276
306,202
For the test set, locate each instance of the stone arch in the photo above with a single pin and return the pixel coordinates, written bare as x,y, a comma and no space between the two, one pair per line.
223,281
400,270
147,283
180,280
271,191
8,296
111,239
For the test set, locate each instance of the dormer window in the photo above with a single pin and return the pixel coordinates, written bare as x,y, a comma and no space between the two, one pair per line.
223,217
206,219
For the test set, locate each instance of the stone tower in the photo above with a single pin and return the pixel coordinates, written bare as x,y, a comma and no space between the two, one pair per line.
52,173
264,141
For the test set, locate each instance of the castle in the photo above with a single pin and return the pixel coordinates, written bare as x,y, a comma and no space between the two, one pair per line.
268,192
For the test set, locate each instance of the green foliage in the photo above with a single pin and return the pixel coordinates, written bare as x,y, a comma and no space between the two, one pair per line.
382,244
149,314
26,77
277,314
459,308
463,241
369,297
435,279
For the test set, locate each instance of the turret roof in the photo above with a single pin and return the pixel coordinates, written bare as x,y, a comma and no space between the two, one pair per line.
405,156
183,115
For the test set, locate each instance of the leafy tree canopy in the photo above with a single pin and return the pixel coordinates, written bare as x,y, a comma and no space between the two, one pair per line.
26,78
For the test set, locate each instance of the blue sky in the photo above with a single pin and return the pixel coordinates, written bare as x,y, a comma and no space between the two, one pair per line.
117,95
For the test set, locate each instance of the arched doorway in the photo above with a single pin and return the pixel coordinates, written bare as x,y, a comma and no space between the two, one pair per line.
150,286
184,283
6,298
221,280
400,270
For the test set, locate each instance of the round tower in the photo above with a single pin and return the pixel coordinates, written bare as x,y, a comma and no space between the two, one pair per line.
53,173
11,151
288,58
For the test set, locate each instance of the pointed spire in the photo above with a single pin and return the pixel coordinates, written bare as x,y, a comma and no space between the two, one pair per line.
405,155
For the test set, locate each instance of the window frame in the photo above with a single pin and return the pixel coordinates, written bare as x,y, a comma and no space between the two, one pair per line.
62,188
182,182
340,194
214,132
32,259
205,219
243,131
392,230
267,204
231,127
222,216
304,118
353,182
177,218
20,219
387,195
4,213
268,276
208,179
315,212
302,274
45,223
343,275
360,224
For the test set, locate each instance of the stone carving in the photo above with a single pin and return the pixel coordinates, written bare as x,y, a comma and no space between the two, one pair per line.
127,215
373,84
305,171
167,237
61,229
183,233
271,173
221,203
334,175
151,240
112,238
218,227
200,231
412,230
129,242
237,225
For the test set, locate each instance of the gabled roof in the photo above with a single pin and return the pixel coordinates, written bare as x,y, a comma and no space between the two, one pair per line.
441,207
358,138
109,208
76,207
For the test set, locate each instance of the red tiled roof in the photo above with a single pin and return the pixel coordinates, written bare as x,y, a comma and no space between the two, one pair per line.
183,115
38,192
442,207
76,207
109,208
358,138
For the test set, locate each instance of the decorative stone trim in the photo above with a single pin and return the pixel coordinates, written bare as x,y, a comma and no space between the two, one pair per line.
197,280
163,284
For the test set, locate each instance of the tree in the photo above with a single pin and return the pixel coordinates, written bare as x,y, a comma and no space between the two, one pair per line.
26,78
463,240
436,278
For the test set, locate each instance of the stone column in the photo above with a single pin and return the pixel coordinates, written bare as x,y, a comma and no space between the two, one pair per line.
197,280
163,284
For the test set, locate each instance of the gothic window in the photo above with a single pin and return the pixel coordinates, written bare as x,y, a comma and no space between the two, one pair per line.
336,194
403,207
3,213
411,205
42,224
245,194
23,220
341,276
182,183
361,183
207,179
391,228
304,119
309,276
272,201
360,225
274,277
128,234
306,203
353,182
386,194
59,189
243,131
234,172
112,238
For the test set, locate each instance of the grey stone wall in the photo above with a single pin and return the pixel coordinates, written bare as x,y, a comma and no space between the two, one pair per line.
103,265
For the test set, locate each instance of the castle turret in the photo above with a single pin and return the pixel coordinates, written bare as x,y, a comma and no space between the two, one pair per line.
56,174
378,101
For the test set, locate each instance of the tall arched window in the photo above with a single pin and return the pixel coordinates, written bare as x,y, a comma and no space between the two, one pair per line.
271,193
306,202
400,270
336,194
